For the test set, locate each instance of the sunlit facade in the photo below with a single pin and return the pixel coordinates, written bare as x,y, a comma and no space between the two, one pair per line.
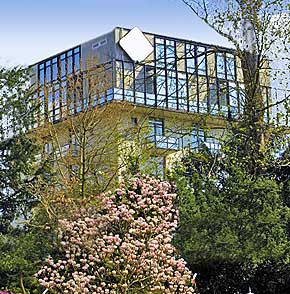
178,75
182,87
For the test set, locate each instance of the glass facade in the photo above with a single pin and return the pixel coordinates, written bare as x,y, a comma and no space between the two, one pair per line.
179,75
183,76
56,77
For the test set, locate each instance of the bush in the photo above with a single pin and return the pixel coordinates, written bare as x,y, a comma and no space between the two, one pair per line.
121,246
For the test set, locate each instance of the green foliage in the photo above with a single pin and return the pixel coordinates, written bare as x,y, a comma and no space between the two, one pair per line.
21,245
232,220
21,253
17,148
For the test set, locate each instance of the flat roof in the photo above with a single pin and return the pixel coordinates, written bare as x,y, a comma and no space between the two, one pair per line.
154,34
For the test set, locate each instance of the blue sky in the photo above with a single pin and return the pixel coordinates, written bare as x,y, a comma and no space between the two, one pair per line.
31,30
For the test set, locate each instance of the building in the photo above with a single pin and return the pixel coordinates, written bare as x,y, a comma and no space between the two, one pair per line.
183,91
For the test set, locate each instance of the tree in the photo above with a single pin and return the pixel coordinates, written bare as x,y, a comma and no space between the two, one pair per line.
123,245
231,222
235,199
21,245
92,146
18,148
259,31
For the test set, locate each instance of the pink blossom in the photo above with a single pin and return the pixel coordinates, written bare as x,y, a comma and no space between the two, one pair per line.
122,246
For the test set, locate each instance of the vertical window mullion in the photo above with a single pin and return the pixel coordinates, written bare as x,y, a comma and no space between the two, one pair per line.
197,77
155,72
176,78
207,80
166,74
186,74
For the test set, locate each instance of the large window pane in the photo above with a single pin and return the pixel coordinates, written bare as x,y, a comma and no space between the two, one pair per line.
213,97
190,61
48,74
156,127
223,94
193,88
160,53
230,67
77,61
182,91
171,90
170,54
149,83
197,137
233,99
69,64
128,80
54,70
220,64
161,85
201,60
41,77
202,94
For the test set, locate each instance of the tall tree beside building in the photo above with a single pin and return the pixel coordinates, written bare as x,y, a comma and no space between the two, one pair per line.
233,205
259,31
18,147
21,245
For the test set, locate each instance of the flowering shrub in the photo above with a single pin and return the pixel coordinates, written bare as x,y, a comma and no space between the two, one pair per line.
122,247
8,292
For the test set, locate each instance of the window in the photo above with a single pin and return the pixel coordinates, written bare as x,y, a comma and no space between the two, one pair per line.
63,65
233,99
139,79
128,81
190,61
156,128
160,53
149,85
149,80
69,62
171,90
48,148
223,97
170,54
54,69
52,79
161,84
134,121
48,72
197,137
213,96
201,60
41,76
182,91
74,145
211,142
77,64
230,66
225,66
220,65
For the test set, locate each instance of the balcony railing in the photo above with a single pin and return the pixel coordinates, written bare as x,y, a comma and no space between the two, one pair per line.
163,142
173,143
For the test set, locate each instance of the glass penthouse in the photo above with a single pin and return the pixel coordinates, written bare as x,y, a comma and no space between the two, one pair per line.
144,69
175,74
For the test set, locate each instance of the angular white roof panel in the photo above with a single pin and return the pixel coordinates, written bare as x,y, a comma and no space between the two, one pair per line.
136,45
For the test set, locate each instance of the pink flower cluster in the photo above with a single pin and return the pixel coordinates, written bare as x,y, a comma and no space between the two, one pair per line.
7,292
122,247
